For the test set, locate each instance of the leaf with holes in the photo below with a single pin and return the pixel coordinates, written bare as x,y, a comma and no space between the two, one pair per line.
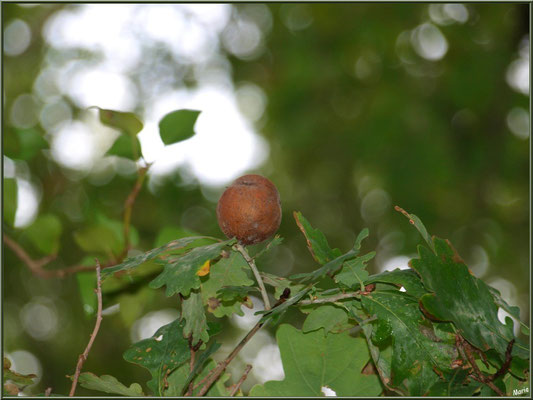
417,352
161,354
406,278
231,271
109,384
180,274
312,361
136,261
458,296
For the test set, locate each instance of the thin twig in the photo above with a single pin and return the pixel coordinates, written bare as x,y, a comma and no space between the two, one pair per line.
478,375
506,364
85,354
240,248
47,392
128,207
237,386
191,365
216,372
36,266
332,299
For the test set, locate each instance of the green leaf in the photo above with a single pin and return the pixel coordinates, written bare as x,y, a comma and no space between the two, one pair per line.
414,220
331,318
192,311
513,310
457,384
177,126
178,379
354,272
125,122
316,241
126,146
231,271
458,296
134,262
417,353
10,200
166,350
312,361
406,278
180,275
109,384
24,144
332,266
45,232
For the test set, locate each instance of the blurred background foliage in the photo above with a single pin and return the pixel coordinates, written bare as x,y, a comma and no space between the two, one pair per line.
349,109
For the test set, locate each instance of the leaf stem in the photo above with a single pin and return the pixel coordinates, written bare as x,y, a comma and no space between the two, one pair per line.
240,248
85,354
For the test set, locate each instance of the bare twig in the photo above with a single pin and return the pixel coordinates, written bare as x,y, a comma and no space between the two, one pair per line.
237,386
47,392
128,207
240,248
216,372
36,266
506,364
332,299
465,350
193,350
85,354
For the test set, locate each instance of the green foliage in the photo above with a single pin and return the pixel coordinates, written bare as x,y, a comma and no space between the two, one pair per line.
126,145
109,384
45,233
177,126
180,275
9,200
327,317
230,271
178,382
312,361
417,354
331,267
192,311
316,241
353,273
458,296
406,278
161,354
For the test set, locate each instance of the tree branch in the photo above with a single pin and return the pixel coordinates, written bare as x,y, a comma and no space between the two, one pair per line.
239,247
128,207
238,385
36,266
85,354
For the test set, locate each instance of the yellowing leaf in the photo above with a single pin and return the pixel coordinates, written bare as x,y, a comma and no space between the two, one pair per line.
204,269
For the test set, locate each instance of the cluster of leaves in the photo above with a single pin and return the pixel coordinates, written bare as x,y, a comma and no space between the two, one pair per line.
408,332
14,382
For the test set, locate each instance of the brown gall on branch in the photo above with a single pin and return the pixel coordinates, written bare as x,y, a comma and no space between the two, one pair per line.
85,354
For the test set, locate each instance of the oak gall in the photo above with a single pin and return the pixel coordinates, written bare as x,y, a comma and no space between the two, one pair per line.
249,209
